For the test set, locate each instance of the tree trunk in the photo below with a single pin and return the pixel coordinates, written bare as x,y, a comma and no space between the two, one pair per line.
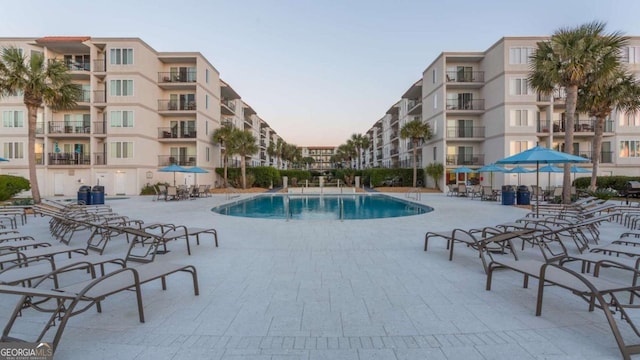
225,160
415,159
32,113
597,148
244,172
572,99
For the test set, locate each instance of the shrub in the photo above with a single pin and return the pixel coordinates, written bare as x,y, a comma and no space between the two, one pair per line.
375,177
299,175
265,176
11,185
605,182
604,194
148,189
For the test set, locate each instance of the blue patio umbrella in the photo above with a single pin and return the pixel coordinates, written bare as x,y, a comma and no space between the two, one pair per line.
491,168
519,170
196,170
3,159
541,155
174,169
578,170
463,170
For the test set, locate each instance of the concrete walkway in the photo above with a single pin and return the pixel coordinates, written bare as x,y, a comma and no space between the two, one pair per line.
360,289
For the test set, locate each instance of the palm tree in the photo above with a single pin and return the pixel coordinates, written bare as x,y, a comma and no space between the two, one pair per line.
41,82
223,136
360,142
244,144
291,154
620,91
417,131
346,152
567,60
275,150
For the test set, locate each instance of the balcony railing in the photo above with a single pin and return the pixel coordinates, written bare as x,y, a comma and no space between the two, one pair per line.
99,127
175,105
465,76
40,128
176,133
99,159
475,104
465,132
99,96
166,160
393,152
558,95
605,156
580,126
99,65
466,159
230,104
173,77
79,65
73,127
73,158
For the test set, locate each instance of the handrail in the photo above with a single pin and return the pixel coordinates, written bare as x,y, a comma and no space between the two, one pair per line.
287,208
341,209
414,194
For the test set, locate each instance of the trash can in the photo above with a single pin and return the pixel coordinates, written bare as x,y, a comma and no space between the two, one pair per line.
508,195
523,196
97,195
84,195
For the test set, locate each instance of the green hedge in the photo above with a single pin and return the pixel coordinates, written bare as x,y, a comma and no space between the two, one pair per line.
264,176
375,177
11,185
300,175
605,182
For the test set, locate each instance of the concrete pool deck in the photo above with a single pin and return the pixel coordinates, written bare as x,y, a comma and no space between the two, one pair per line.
359,289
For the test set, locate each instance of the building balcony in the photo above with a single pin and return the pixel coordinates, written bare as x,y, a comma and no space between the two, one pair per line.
99,96
39,128
176,133
99,159
175,77
580,126
99,65
175,105
606,157
166,160
465,77
460,105
39,158
466,159
228,107
393,152
73,127
78,65
465,132
99,128
61,158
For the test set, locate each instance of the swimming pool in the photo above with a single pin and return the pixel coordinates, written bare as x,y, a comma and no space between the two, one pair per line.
322,207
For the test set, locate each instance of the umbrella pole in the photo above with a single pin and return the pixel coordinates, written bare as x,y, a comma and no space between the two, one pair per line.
537,189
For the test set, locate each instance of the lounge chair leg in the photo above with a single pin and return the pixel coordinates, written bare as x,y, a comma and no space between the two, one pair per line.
526,281
451,251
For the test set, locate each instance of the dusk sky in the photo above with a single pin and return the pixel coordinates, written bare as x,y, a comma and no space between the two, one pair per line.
316,71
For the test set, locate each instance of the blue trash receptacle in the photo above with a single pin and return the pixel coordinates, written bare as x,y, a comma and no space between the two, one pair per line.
523,196
97,195
508,195
84,195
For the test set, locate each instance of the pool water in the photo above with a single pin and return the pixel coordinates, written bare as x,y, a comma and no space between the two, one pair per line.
323,207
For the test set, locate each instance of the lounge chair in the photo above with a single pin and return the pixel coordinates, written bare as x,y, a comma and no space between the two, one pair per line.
74,299
453,190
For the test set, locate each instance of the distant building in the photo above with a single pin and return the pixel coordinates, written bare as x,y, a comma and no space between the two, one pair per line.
321,156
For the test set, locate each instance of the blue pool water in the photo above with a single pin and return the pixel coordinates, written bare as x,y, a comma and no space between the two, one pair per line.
322,207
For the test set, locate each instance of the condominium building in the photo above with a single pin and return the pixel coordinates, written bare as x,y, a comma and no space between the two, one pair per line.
321,156
140,110
481,109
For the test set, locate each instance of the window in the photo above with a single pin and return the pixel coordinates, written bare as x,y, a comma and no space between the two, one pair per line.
207,154
630,119
122,119
519,118
630,54
121,56
519,146
13,119
14,150
629,149
206,127
520,86
434,75
206,101
435,153
121,150
206,75
520,55
121,87
435,101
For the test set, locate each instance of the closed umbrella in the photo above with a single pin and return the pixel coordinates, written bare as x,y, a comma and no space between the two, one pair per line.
541,155
174,169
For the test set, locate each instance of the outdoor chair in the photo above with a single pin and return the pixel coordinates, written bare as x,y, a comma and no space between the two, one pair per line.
172,193
462,190
488,194
453,190
63,303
